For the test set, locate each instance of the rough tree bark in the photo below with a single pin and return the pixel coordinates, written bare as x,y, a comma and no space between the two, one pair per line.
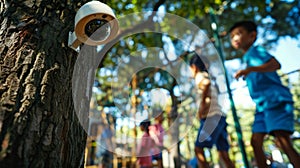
38,123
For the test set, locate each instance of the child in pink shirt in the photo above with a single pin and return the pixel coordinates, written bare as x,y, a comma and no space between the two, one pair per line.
144,159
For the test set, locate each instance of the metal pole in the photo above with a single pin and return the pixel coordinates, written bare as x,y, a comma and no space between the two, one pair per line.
234,113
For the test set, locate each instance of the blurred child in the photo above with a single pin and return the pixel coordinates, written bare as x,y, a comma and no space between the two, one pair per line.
144,159
104,146
274,104
212,120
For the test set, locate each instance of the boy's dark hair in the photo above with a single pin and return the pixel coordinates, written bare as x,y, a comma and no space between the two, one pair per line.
250,26
197,61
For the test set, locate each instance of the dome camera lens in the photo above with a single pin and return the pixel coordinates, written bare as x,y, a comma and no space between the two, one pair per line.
97,29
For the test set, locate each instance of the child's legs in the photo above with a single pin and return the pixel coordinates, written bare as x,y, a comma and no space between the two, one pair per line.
201,142
160,163
199,152
223,145
257,141
223,155
280,123
259,131
208,133
285,143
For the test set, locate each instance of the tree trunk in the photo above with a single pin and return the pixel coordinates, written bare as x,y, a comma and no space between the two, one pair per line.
174,130
38,123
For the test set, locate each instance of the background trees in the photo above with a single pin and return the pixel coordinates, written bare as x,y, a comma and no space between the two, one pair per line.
39,125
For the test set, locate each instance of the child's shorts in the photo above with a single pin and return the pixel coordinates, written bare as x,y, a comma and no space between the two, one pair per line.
157,156
280,117
213,131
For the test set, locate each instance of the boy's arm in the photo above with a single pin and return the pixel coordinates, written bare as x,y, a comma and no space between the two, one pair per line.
270,66
205,98
153,135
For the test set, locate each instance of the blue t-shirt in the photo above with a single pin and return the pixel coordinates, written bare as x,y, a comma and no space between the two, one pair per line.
265,88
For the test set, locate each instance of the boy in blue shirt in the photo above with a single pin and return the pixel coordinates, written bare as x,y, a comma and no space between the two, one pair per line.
274,103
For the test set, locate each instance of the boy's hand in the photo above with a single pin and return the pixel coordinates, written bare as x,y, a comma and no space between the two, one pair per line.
242,73
269,66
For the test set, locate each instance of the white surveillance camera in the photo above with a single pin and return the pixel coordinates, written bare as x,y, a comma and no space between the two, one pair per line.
95,24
